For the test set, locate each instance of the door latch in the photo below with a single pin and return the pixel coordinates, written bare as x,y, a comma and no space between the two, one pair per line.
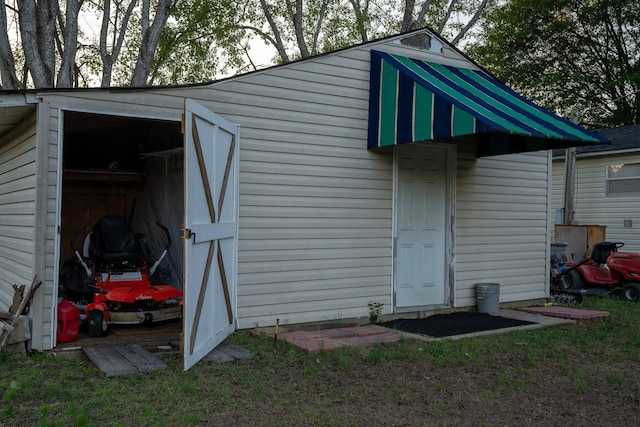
187,233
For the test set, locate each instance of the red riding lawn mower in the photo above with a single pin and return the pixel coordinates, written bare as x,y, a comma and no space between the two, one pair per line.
605,271
110,281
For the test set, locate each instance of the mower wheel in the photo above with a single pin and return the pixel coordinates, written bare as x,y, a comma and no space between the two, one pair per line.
576,280
97,325
631,291
563,282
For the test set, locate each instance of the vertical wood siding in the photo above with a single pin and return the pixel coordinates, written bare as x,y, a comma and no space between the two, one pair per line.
593,205
17,210
47,229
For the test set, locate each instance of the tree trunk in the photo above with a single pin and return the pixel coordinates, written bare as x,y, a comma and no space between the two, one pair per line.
150,38
70,42
407,17
108,59
296,17
8,78
37,30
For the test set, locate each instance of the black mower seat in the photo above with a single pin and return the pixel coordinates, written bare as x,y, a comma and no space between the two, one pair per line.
602,250
113,241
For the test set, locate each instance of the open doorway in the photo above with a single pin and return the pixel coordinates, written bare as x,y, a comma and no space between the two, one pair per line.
130,168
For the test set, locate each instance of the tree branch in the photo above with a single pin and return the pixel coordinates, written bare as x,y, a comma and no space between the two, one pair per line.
316,35
474,19
277,39
452,5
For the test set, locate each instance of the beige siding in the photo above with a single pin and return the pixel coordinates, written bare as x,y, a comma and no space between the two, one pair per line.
315,239
17,210
593,206
315,205
316,208
501,226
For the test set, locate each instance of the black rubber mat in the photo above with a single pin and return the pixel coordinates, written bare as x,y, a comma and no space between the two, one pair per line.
458,323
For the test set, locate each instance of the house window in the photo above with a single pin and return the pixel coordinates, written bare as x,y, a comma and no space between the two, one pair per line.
623,178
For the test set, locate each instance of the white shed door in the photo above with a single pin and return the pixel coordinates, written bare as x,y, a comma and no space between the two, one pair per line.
211,231
420,224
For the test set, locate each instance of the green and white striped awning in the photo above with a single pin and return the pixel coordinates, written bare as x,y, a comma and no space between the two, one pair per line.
416,101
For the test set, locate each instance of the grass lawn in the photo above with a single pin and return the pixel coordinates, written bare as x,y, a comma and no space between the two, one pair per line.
587,373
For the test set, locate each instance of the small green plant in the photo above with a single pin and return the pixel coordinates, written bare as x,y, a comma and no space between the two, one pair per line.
10,394
344,359
377,354
375,311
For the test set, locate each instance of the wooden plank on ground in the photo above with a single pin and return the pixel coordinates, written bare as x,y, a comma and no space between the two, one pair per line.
217,356
108,360
235,350
123,360
139,357
226,352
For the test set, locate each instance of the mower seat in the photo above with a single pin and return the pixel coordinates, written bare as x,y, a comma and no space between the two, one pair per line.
113,242
602,250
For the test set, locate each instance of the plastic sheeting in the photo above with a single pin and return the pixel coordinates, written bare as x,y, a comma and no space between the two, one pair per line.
161,198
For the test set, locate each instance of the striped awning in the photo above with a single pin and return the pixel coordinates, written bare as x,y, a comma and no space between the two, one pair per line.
416,101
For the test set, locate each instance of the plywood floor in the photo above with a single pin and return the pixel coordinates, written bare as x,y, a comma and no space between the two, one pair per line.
158,336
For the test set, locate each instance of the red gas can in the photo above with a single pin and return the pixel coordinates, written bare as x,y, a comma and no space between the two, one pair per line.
68,322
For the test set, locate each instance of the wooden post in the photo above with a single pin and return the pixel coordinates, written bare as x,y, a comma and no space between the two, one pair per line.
569,185
570,179
23,304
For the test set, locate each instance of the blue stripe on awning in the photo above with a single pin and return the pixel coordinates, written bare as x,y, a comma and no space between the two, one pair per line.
414,101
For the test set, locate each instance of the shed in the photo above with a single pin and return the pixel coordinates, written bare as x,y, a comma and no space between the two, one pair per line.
607,185
378,173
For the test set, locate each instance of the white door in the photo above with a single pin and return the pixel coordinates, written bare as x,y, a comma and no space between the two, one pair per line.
211,231
421,223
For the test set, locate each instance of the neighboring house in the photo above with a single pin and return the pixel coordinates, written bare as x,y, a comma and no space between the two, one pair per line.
607,185
378,173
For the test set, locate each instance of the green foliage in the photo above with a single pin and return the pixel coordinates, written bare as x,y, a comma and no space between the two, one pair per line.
201,41
375,311
571,56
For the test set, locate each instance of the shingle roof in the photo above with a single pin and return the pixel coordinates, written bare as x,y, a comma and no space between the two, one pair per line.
621,138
